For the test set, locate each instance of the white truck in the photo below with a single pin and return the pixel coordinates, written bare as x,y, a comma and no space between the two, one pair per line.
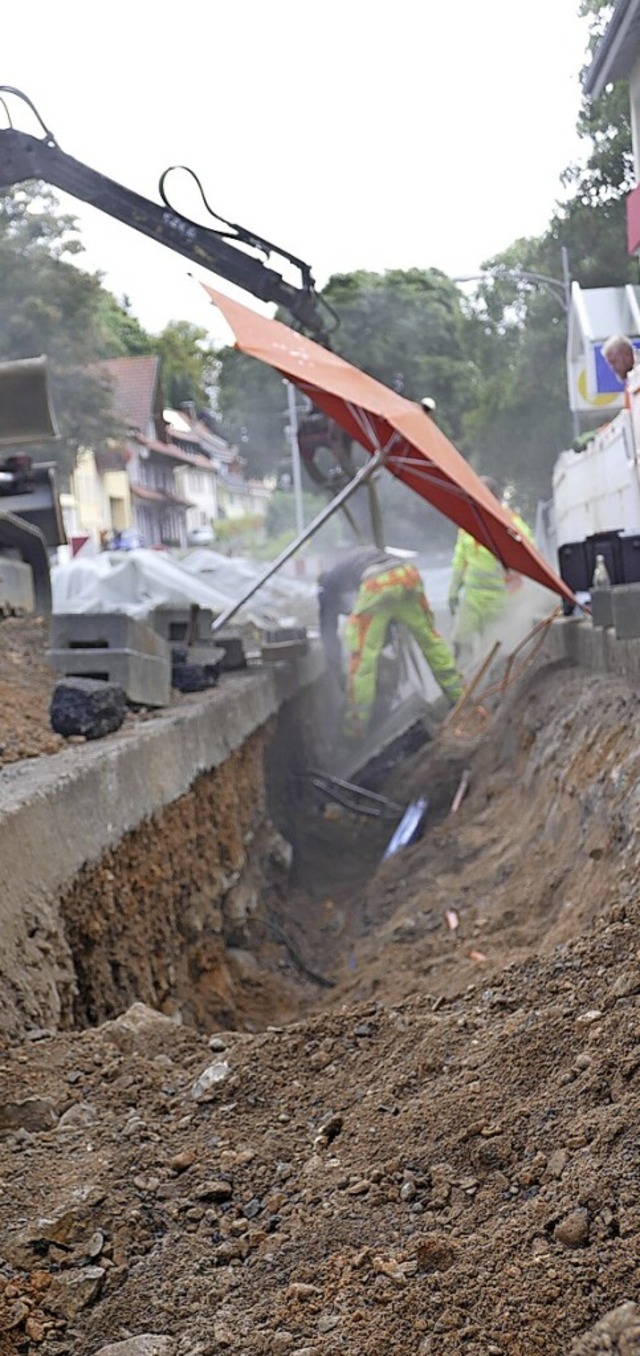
595,504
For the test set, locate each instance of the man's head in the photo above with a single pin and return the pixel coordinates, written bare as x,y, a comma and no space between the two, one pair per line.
620,355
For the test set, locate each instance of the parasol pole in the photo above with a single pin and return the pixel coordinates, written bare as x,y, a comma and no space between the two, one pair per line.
364,474
377,528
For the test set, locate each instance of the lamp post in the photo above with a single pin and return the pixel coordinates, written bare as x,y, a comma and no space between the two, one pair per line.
292,432
559,288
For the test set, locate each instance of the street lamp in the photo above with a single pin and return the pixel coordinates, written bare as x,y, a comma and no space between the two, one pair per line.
559,288
292,433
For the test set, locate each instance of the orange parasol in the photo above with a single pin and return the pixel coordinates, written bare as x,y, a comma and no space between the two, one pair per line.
414,448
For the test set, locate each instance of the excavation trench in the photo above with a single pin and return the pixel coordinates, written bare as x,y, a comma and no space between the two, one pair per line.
239,905
240,902
443,1156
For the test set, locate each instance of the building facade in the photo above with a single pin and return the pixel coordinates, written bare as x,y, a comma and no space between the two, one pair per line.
169,478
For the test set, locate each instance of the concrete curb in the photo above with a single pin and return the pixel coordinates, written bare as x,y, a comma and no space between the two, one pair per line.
61,812
595,648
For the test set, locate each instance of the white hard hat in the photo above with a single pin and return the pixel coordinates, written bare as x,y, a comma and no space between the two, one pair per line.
428,404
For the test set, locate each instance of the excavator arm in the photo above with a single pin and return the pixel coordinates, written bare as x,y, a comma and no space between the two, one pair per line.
24,157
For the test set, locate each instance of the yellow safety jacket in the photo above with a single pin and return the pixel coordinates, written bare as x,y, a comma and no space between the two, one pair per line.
479,573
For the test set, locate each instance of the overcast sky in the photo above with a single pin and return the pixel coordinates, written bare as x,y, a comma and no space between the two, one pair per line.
357,136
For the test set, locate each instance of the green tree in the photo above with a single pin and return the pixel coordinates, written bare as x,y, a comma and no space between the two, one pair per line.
252,403
407,329
188,363
520,418
122,334
50,306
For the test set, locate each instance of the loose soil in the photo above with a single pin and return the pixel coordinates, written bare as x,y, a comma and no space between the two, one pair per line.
26,688
437,1156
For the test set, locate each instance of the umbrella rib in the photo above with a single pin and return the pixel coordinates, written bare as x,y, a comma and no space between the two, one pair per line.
363,421
418,468
495,549
362,418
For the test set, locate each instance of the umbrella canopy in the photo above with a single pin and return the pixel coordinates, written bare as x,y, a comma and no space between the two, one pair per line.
416,450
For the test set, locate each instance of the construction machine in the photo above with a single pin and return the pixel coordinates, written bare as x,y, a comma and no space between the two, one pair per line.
232,251
30,514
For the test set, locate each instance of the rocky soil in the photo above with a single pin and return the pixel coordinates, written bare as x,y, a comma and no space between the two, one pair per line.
26,688
436,1156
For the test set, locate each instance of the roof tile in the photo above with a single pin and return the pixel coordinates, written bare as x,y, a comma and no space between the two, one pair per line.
134,383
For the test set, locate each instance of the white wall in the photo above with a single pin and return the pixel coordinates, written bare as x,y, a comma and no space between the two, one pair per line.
598,490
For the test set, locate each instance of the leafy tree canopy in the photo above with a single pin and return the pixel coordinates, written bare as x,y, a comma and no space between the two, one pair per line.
188,363
520,418
47,305
252,403
122,334
408,330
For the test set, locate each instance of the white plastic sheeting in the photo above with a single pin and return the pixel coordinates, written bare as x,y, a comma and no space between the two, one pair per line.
281,597
137,582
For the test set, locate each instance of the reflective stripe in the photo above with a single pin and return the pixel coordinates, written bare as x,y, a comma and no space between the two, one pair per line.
394,576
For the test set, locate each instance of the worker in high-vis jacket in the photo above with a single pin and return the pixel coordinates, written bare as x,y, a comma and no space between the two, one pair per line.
480,588
374,588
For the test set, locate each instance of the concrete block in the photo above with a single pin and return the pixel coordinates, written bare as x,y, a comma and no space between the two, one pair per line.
145,680
173,623
234,655
195,667
85,706
206,656
192,678
113,648
105,631
626,611
602,607
288,642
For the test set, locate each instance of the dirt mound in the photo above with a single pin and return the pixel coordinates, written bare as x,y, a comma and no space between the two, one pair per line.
26,687
618,1332
442,1160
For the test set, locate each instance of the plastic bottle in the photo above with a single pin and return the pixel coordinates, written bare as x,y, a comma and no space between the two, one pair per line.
601,578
